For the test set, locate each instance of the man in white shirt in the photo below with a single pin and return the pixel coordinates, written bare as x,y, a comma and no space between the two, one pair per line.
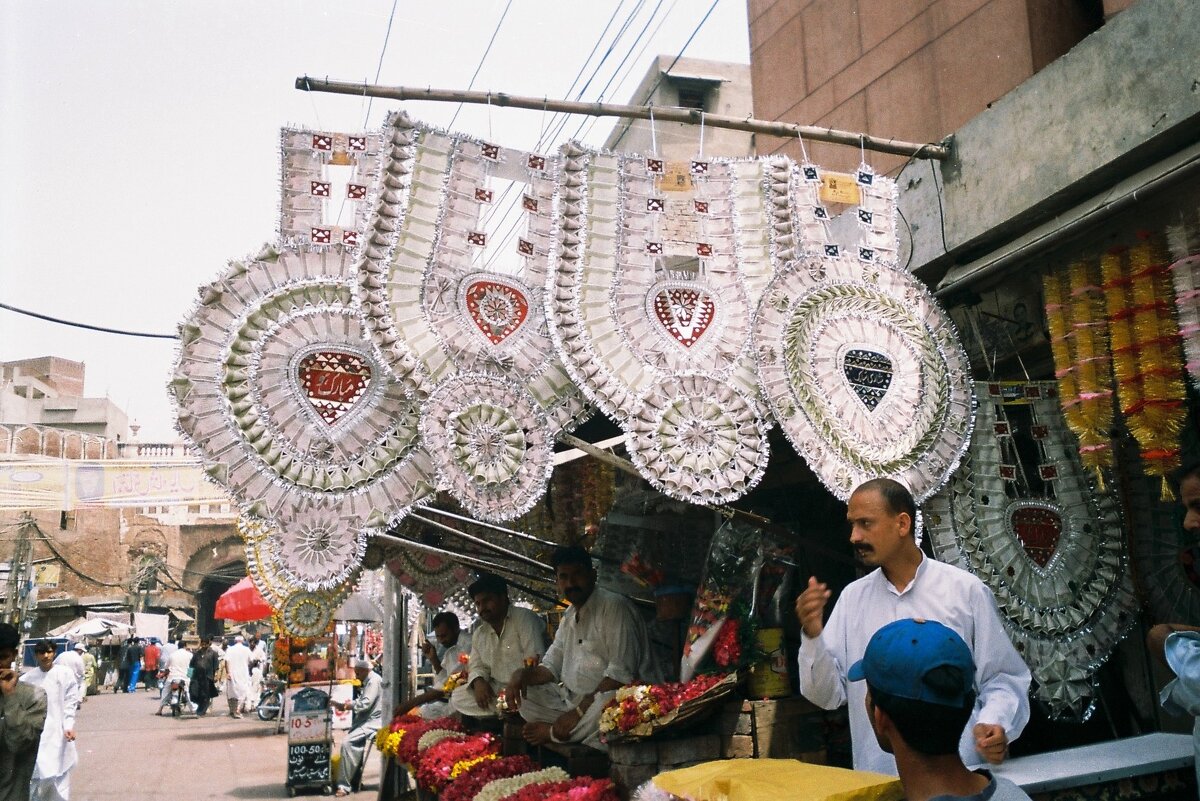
73,659
600,646
237,676
56,750
450,658
907,585
506,638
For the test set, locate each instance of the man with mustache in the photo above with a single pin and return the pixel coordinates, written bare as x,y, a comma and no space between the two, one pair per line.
906,584
601,645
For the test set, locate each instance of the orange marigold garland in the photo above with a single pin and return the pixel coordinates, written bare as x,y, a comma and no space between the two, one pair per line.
1146,352
1079,342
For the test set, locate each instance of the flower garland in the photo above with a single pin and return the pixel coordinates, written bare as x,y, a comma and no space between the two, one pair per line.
467,786
388,738
639,704
583,788
410,744
437,762
1146,357
1079,343
1186,275
503,788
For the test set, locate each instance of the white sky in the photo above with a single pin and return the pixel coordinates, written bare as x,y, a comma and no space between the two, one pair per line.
139,140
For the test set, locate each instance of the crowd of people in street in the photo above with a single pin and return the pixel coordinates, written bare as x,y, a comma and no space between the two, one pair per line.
38,706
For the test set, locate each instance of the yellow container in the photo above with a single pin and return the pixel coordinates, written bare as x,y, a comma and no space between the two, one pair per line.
769,677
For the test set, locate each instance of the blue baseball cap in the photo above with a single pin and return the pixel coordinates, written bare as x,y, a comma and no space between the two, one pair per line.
901,655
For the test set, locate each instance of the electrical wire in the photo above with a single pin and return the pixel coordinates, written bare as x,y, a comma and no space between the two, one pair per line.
54,550
86,326
483,58
379,66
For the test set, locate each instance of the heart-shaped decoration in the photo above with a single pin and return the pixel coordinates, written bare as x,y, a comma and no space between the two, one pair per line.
1038,528
498,308
869,373
332,381
686,313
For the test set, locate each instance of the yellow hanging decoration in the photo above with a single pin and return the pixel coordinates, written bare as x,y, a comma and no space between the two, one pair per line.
1146,352
1079,344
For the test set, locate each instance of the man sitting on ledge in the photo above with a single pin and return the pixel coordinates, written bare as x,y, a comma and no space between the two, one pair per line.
600,646
506,636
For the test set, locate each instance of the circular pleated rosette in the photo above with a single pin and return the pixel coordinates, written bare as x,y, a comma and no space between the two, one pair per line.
434,578
698,439
279,391
307,614
1056,564
488,439
865,374
318,544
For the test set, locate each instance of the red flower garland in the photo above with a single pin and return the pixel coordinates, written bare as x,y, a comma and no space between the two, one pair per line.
435,763
583,788
464,788
727,650
406,752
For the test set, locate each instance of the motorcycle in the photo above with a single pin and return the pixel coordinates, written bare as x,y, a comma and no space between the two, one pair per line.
270,703
176,697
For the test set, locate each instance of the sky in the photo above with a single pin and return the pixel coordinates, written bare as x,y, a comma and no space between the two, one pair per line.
139,141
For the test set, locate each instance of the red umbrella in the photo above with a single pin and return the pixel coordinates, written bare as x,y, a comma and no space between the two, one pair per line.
242,602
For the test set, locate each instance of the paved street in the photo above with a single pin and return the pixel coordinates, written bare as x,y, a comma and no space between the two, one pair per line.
127,753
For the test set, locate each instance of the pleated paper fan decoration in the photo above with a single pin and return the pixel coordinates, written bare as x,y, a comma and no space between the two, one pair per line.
660,268
861,367
466,323
1054,557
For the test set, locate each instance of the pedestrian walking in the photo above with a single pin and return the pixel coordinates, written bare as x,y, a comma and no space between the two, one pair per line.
56,754
203,687
237,676
135,664
23,715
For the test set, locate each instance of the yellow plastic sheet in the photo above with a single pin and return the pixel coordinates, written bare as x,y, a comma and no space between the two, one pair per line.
774,779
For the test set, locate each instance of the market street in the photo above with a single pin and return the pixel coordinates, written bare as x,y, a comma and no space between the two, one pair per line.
128,753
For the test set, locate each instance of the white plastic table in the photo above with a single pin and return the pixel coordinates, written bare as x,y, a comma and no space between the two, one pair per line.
1100,762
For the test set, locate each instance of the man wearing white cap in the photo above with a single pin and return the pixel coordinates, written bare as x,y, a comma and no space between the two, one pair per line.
237,673
366,718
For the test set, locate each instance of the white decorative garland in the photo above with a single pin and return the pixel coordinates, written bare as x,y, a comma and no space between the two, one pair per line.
862,369
655,290
1055,562
440,318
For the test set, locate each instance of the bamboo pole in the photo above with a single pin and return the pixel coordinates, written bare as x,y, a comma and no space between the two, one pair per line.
491,567
512,533
784,130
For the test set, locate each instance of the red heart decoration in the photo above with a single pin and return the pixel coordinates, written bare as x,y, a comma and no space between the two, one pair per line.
498,309
333,381
1038,529
686,313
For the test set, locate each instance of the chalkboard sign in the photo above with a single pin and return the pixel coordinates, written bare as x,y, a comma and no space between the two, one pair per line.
308,764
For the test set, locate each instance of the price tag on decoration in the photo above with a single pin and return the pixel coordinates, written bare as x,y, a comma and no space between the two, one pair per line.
676,177
837,187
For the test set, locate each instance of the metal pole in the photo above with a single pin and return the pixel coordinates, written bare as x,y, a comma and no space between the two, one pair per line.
481,542
784,130
518,534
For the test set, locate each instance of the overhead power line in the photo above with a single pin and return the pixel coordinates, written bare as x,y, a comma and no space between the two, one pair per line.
87,326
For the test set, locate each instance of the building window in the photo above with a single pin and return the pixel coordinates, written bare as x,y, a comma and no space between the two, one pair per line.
695,93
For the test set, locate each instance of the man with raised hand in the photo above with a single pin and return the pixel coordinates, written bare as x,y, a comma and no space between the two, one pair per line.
906,584
920,682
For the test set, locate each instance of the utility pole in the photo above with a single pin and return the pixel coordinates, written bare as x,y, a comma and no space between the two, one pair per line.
20,574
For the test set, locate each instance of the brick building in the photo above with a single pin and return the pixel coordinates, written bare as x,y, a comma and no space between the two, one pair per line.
165,557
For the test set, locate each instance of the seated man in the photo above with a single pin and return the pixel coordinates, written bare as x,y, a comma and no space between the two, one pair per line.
920,694
600,646
506,637
454,642
365,720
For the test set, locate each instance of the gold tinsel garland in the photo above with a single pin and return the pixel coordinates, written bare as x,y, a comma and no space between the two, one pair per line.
1079,343
1146,352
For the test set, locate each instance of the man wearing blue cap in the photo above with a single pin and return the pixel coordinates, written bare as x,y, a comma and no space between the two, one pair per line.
920,680
907,584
